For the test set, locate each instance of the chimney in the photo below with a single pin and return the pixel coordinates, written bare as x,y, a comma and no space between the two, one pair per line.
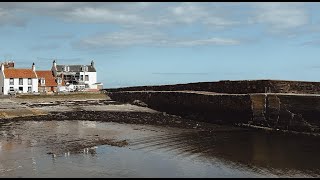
11,64
54,63
33,67
92,63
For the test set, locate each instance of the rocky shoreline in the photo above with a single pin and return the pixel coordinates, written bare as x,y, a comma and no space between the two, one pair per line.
106,110
144,118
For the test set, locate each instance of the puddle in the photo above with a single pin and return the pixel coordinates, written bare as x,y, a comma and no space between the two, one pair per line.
106,149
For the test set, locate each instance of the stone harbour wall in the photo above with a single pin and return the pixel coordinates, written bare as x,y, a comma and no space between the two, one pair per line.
299,113
218,109
235,87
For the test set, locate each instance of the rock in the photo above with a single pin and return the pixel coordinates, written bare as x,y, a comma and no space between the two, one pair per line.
139,103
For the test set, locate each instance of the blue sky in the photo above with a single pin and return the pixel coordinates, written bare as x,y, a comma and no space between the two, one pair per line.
153,43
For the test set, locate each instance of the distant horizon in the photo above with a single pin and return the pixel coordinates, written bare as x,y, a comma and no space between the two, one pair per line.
158,43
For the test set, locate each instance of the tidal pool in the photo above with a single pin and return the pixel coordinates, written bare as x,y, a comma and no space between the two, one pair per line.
106,149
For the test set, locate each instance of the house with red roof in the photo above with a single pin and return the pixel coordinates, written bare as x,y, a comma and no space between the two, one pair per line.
47,82
17,80
59,78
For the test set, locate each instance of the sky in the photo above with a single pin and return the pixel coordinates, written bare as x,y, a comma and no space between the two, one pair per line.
155,43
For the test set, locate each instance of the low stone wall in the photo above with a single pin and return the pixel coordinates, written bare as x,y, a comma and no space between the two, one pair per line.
235,87
284,112
218,109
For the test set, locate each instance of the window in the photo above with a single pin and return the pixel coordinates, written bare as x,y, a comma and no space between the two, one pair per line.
29,81
81,77
59,80
84,68
20,81
11,88
2,89
87,78
29,89
20,88
11,81
66,68
86,86
42,81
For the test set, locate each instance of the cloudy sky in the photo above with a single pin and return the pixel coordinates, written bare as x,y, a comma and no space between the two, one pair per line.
156,43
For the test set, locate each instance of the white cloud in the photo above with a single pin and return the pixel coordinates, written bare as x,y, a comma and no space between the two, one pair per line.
95,15
280,16
153,24
218,15
209,41
138,13
314,42
59,36
205,13
117,39
84,12
7,18
124,39
188,12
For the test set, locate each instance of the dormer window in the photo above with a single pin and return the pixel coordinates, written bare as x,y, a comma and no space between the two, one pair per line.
84,68
66,68
42,81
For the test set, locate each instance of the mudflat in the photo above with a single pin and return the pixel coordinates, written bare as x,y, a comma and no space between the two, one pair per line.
98,137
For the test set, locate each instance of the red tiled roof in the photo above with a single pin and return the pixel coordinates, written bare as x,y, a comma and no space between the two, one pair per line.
48,76
19,73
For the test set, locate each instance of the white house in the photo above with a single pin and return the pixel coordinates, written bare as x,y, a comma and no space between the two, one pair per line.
17,80
79,76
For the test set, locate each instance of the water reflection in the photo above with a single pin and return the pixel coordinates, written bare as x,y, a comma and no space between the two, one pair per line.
74,149
91,150
277,152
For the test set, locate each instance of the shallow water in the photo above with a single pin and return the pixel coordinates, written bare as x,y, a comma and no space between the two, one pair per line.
71,149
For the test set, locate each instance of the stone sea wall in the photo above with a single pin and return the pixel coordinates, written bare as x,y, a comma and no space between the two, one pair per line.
218,108
298,113
235,87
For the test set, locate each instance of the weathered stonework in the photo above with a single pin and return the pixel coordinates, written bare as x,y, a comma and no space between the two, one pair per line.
236,87
269,110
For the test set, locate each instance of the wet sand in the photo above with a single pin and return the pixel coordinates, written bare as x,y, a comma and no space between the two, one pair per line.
108,149
103,138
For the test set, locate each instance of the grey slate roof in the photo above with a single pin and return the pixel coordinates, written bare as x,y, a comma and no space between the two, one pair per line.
76,68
